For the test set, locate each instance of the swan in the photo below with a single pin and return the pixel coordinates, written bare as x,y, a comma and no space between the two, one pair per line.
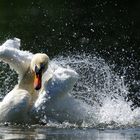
17,103
42,91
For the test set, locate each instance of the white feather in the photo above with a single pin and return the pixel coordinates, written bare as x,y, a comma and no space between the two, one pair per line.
12,43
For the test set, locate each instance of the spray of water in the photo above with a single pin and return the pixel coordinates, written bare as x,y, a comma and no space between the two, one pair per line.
8,79
100,88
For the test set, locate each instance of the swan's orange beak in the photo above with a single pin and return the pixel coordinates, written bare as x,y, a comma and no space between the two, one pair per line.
37,81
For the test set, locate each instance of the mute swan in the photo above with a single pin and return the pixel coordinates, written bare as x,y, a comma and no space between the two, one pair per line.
17,103
39,96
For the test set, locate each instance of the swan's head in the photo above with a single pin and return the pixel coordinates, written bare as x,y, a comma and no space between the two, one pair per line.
39,65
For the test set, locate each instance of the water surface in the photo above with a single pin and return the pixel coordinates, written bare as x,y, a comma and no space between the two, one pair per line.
41,133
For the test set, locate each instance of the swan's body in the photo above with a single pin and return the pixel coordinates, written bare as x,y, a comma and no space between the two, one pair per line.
24,104
15,106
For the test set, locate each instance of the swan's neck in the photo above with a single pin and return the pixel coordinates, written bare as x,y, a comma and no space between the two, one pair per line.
27,81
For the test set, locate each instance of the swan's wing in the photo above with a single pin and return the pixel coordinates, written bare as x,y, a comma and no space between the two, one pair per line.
12,43
17,59
55,103
61,82
58,86
57,82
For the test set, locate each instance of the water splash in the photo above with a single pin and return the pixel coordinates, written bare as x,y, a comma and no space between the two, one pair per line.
8,79
96,80
100,88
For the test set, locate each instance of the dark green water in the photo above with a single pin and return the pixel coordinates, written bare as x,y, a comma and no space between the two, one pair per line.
105,28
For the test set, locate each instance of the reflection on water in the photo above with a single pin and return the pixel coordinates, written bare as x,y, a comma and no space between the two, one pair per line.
17,133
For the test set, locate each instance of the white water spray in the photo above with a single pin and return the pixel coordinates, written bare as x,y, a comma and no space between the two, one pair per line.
100,88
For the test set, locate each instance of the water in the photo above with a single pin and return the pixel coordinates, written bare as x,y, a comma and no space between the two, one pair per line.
101,88
100,40
67,134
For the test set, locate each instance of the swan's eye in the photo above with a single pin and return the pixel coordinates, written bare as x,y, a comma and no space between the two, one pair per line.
37,70
42,66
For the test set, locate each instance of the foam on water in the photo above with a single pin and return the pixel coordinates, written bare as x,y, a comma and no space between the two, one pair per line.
102,90
118,112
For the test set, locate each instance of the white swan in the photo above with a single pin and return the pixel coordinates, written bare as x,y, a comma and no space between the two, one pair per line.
17,103
53,100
